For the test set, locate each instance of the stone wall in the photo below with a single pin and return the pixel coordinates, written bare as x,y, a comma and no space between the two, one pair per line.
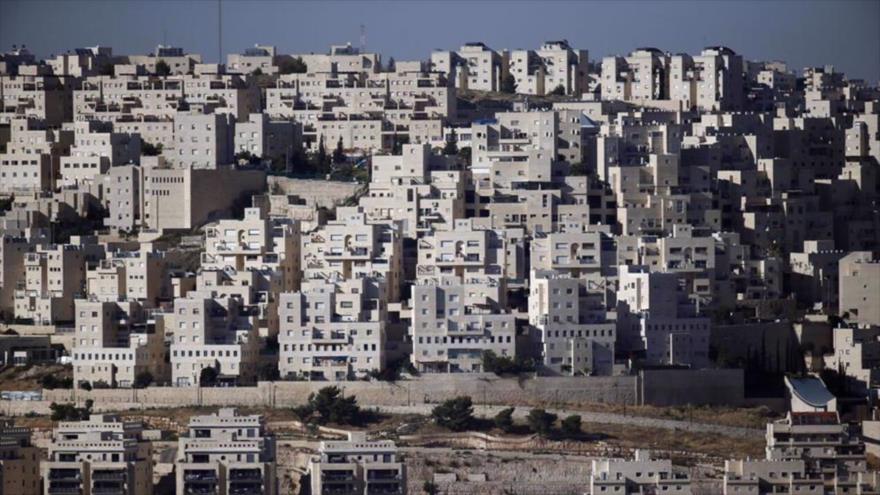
657,387
314,191
720,387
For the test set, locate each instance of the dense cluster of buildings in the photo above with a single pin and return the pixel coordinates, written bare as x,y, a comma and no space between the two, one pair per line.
649,210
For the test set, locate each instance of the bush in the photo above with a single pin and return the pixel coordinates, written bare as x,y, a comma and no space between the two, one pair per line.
571,426
100,384
85,385
330,406
503,365
504,420
456,414
143,379
50,382
69,412
558,91
208,377
541,422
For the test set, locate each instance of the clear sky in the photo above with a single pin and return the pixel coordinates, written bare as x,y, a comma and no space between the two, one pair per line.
844,33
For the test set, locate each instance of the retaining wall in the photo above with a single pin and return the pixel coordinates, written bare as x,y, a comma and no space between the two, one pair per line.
657,387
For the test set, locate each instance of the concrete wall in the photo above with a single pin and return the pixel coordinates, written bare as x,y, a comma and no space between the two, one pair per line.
315,192
698,387
657,387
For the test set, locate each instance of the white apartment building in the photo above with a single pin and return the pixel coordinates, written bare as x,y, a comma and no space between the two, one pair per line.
859,285
30,162
220,333
814,273
226,452
416,188
651,319
35,95
19,461
96,148
455,320
178,61
467,251
578,251
202,140
640,475
341,59
553,67
357,466
260,58
474,66
114,343
13,250
130,275
333,329
819,439
711,81
354,247
763,477
266,138
102,454
270,247
574,334
856,356
54,276
156,197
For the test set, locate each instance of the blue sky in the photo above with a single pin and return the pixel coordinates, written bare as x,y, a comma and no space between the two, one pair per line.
844,33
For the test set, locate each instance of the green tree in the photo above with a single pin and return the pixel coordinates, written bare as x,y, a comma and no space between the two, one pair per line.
69,412
332,407
504,420
293,66
451,147
508,84
143,379
85,385
571,426
391,66
150,149
162,68
6,203
456,414
322,161
208,377
464,155
50,382
541,422
339,152
558,91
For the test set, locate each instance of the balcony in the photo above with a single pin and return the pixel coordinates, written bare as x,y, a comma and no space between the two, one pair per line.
108,476
245,475
337,477
200,477
64,475
64,490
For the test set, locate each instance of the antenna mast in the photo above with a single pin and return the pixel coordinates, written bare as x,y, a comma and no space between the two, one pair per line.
219,31
363,38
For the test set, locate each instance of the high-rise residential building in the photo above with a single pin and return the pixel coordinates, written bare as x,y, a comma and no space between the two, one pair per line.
102,454
226,452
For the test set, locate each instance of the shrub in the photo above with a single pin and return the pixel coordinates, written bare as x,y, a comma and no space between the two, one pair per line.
208,377
456,414
143,379
330,406
541,422
504,420
571,426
